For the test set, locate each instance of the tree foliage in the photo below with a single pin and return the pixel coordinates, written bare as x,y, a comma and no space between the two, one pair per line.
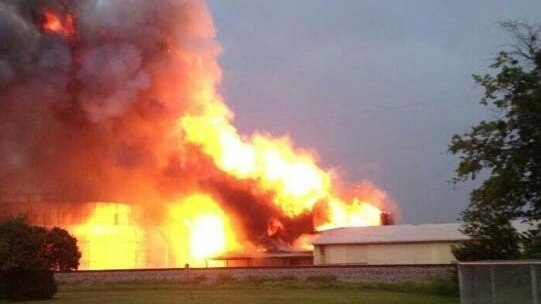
507,148
495,240
60,251
532,245
29,254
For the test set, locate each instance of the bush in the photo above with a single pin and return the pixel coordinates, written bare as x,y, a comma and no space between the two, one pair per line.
60,251
532,245
490,241
23,284
29,254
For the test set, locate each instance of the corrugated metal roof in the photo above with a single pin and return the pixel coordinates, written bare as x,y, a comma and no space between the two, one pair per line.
397,234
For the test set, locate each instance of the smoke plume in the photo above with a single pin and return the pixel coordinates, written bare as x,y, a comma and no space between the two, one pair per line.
115,101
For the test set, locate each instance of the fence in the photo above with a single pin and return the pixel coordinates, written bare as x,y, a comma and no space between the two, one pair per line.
365,273
500,282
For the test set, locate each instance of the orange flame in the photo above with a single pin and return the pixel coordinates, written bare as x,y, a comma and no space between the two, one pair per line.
274,226
196,229
200,229
109,239
293,175
53,23
195,226
355,214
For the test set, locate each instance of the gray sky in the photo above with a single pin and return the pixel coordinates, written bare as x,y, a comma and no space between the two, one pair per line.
377,88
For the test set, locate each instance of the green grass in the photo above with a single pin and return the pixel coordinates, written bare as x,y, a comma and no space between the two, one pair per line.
297,292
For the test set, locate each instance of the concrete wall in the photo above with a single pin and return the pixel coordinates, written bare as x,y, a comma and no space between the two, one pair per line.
385,254
398,273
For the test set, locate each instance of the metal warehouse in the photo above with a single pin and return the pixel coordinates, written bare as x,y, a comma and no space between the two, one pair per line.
391,245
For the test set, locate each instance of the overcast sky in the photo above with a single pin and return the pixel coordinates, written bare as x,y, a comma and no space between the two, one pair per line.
377,88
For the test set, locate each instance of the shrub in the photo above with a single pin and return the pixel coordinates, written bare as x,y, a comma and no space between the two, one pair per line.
60,251
23,284
532,245
29,254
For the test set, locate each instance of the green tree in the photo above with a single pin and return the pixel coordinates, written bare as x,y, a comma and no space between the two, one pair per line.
29,255
60,251
20,244
532,245
506,148
492,239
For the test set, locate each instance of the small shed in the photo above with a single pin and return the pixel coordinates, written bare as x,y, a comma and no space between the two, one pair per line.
277,258
390,245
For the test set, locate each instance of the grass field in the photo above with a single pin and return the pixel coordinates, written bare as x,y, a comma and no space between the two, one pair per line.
243,293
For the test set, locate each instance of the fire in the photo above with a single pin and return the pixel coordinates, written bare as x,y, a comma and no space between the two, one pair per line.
274,226
200,229
64,26
293,175
207,237
109,239
135,116
357,213
196,228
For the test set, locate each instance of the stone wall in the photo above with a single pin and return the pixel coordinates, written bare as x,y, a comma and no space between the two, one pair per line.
395,273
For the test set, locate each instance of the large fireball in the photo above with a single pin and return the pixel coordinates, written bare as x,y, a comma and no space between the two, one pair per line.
110,115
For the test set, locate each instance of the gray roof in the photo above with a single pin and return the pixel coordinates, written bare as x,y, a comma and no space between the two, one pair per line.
397,234
264,255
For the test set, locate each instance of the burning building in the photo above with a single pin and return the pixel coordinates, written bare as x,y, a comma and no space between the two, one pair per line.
111,126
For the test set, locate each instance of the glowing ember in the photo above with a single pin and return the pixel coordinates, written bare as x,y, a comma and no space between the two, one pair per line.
61,25
274,226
